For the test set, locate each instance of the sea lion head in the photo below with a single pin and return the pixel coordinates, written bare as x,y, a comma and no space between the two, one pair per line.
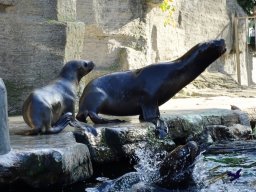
209,51
76,69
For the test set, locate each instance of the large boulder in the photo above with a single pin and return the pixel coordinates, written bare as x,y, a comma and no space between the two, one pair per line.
203,125
114,142
45,160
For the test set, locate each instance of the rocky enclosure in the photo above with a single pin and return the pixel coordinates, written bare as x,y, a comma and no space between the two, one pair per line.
39,36
73,155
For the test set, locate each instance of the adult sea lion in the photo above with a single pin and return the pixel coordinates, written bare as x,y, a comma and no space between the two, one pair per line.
142,91
51,108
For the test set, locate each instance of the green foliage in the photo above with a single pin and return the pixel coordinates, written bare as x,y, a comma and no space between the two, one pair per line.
167,6
232,161
247,5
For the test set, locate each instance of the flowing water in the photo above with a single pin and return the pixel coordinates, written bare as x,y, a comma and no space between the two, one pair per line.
209,174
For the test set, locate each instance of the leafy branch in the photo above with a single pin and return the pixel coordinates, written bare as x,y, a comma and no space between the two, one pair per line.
167,6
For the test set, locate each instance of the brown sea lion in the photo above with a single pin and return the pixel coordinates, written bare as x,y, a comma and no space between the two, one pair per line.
51,108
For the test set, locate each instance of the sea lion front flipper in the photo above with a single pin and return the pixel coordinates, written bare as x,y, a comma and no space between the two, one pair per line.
100,120
150,113
161,128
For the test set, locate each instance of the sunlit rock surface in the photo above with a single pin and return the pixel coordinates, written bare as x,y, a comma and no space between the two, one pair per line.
201,125
234,132
44,160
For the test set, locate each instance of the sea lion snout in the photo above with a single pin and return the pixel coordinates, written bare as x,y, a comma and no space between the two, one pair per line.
89,64
82,68
86,67
220,44
210,51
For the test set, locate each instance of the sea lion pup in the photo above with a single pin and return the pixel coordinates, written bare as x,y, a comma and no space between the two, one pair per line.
51,108
142,91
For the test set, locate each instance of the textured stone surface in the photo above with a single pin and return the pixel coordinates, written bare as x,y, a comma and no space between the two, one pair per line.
114,142
44,160
62,159
121,140
234,132
138,37
196,21
4,126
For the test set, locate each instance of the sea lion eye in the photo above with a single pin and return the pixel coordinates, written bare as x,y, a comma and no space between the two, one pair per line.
85,64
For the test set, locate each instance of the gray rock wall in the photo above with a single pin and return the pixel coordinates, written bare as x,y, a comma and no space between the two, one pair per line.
131,34
39,36
111,28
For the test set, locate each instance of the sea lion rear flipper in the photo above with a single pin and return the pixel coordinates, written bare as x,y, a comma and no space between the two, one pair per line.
60,124
100,120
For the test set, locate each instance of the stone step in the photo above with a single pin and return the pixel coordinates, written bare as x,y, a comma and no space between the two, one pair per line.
45,160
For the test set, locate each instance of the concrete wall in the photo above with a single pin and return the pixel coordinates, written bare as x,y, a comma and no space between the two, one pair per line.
39,36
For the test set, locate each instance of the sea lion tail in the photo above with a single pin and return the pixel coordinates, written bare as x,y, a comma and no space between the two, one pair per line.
61,123
84,126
